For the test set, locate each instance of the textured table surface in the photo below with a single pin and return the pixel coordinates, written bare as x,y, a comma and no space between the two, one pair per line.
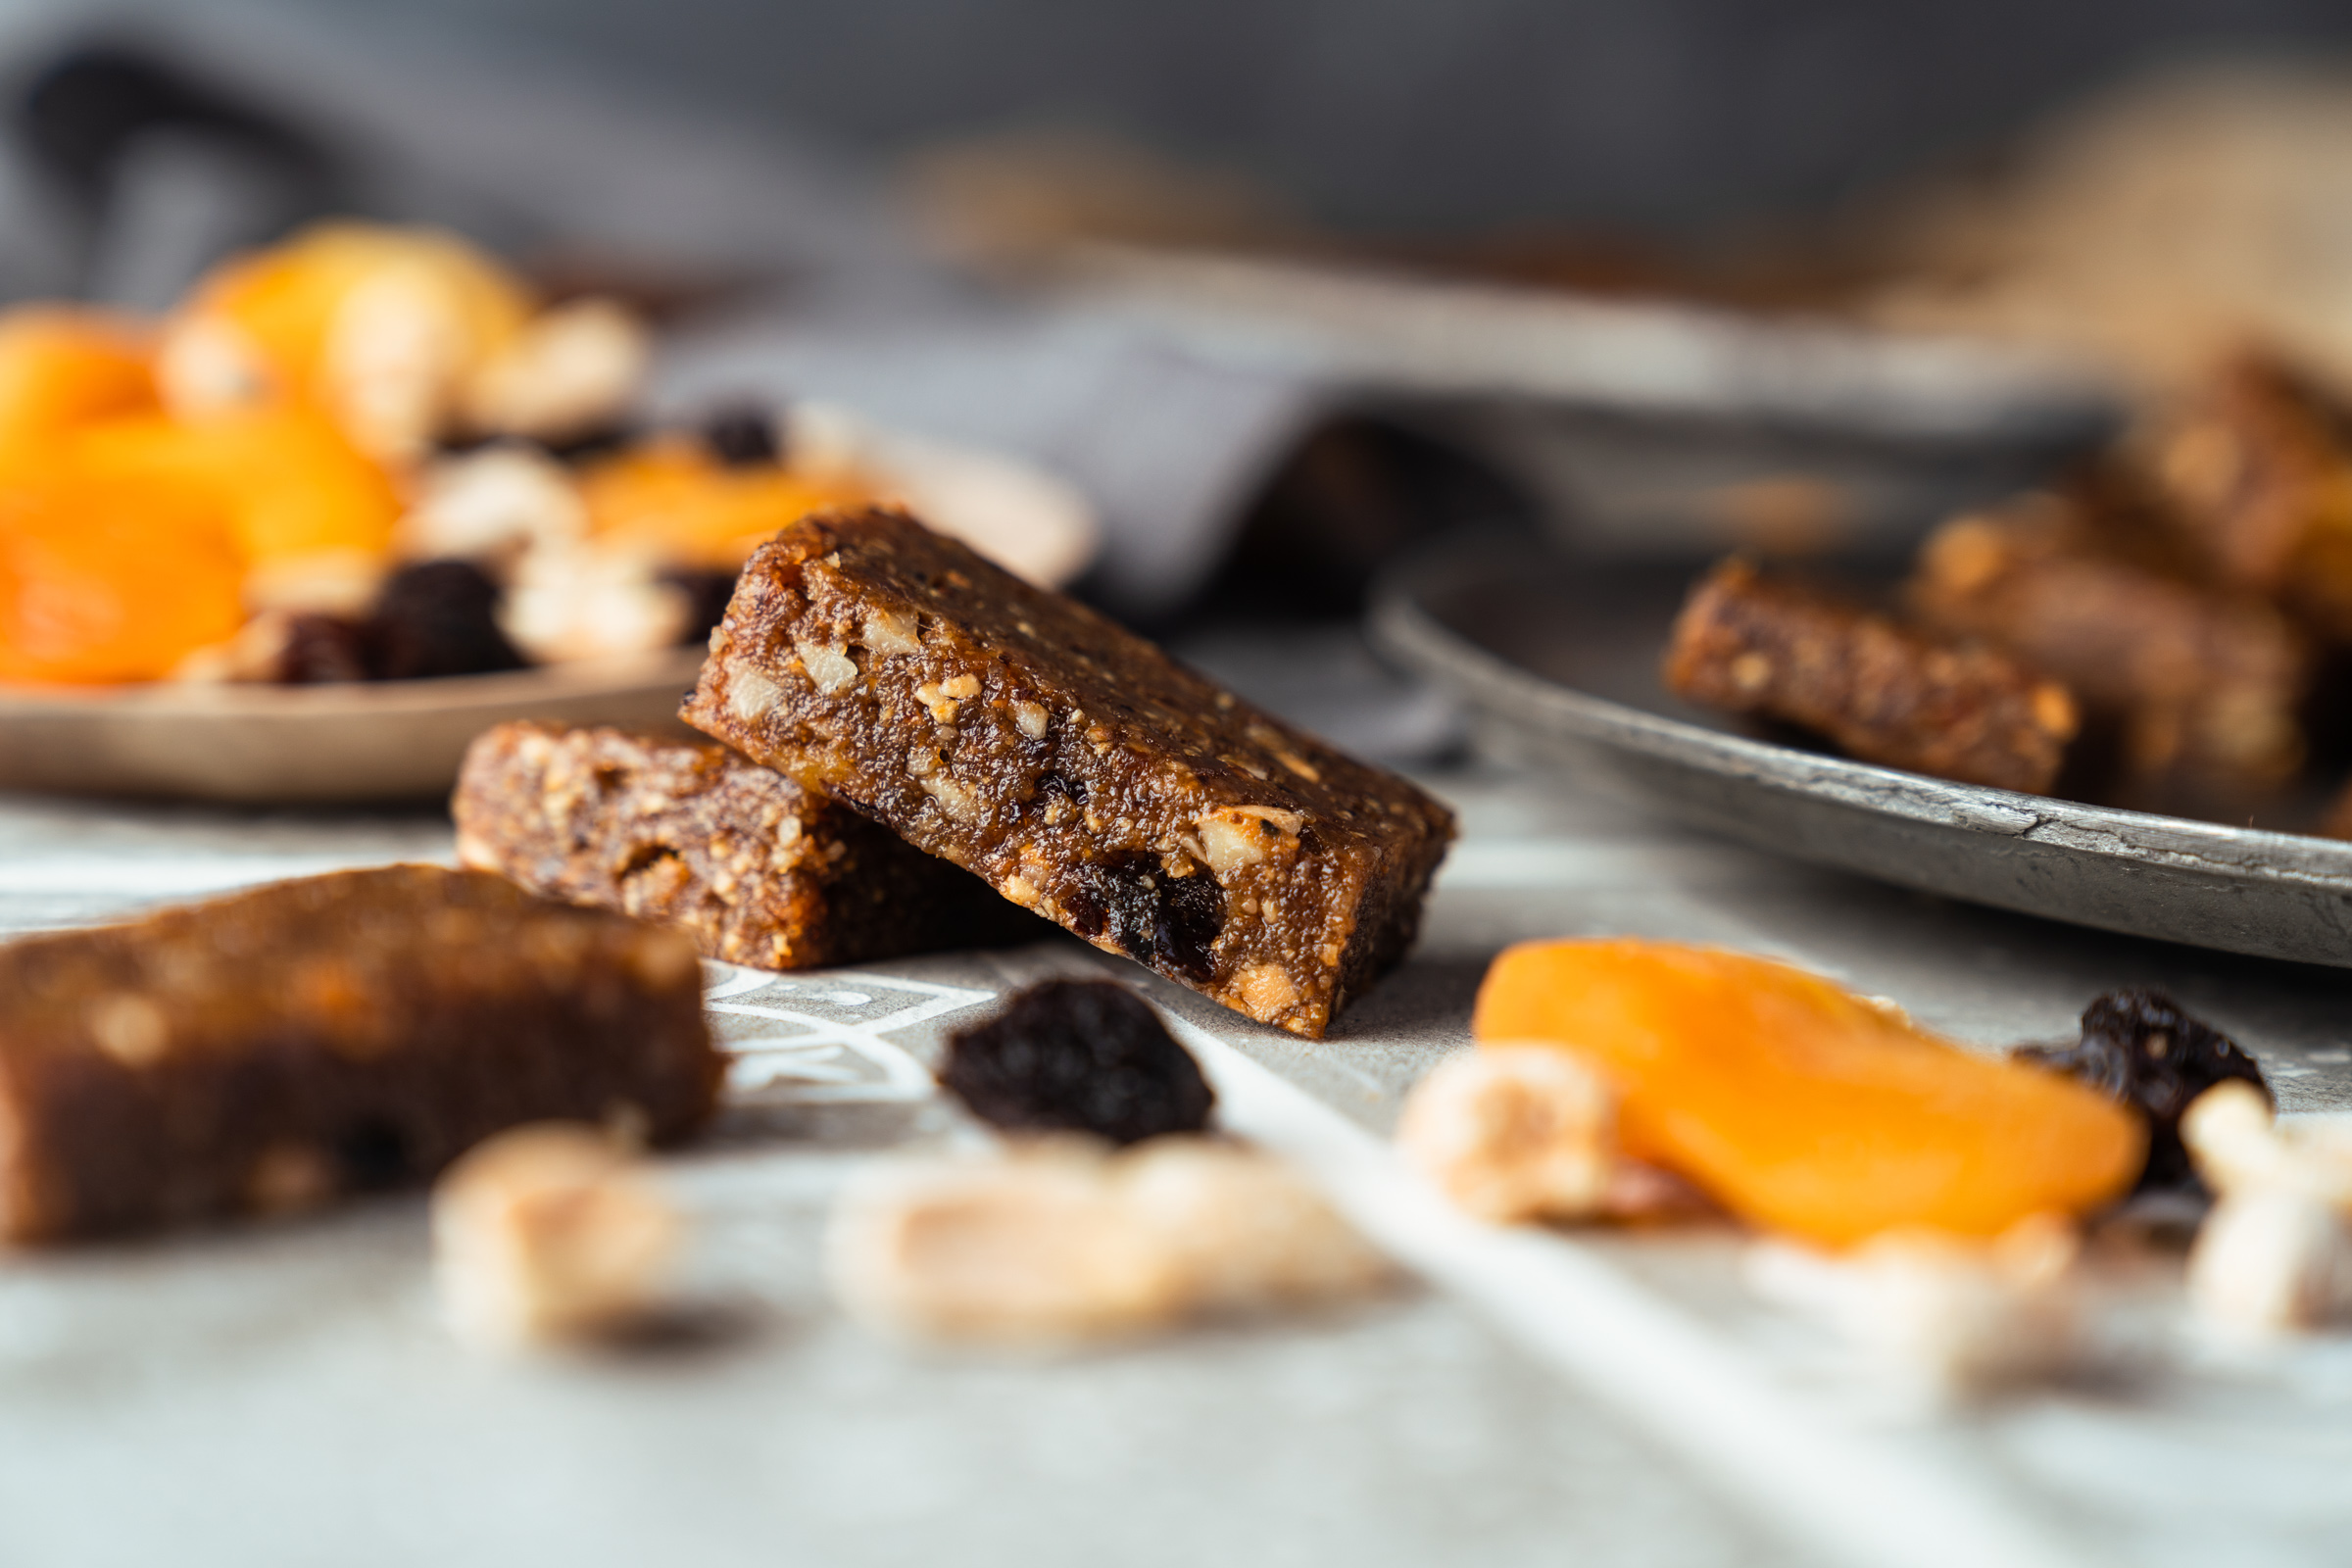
284,1395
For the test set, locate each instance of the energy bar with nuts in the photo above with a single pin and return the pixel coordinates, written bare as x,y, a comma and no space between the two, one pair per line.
273,1049
1073,765
756,870
1881,692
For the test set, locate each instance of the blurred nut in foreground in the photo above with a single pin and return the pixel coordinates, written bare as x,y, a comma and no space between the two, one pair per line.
1037,1246
1513,1133
2274,1257
548,1233
1244,1230
2271,1260
1950,1314
2240,1146
1062,1240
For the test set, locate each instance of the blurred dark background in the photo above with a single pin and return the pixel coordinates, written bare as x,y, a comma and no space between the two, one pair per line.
1399,115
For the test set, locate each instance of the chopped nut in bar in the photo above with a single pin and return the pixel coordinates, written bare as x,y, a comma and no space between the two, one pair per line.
1073,765
1881,692
276,1048
758,869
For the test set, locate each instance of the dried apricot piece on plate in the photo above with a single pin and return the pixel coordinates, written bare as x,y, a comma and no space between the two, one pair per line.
290,479
111,577
62,367
1803,1108
673,498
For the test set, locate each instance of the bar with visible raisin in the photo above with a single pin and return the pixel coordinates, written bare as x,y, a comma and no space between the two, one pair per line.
1073,765
276,1048
756,870
1881,692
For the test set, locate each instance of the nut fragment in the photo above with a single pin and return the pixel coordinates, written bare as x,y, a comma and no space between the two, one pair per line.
1950,1314
570,369
2271,1259
548,1233
831,670
2275,1254
492,501
2238,1146
1246,1233
591,601
1061,1240
1036,1248
1513,1133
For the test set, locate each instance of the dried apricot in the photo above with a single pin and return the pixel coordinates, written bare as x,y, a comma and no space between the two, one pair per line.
380,327
111,577
293,483
693,508
62,367
1805,1108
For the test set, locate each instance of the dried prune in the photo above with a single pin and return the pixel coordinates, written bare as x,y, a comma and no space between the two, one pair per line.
438,617
2142,1048
597,441
574,447
1078,1055
1190,913
707,595
1155,917
321,648
742,435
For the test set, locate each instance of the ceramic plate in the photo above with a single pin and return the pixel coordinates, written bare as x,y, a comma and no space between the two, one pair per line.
403,740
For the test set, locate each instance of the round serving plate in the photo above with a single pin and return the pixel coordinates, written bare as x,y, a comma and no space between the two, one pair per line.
364,742
309,744
1557,658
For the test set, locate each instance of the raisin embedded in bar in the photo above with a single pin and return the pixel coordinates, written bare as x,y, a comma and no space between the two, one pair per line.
756,870
272,1050
1073,765
1881,692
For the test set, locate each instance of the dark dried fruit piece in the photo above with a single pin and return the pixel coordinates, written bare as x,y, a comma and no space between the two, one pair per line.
2145,1049
743,435
1078,1055
599,441
1168,921
438,617
707,595
322,648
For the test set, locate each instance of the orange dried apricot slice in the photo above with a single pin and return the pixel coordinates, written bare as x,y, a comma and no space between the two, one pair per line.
672,497
111,577
380,327
1802,1108
62,367
292,483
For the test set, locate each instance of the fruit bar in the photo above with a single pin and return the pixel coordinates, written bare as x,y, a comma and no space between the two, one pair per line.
2187,676
756,870
1881,692
2253,471
1077,768
273,1049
